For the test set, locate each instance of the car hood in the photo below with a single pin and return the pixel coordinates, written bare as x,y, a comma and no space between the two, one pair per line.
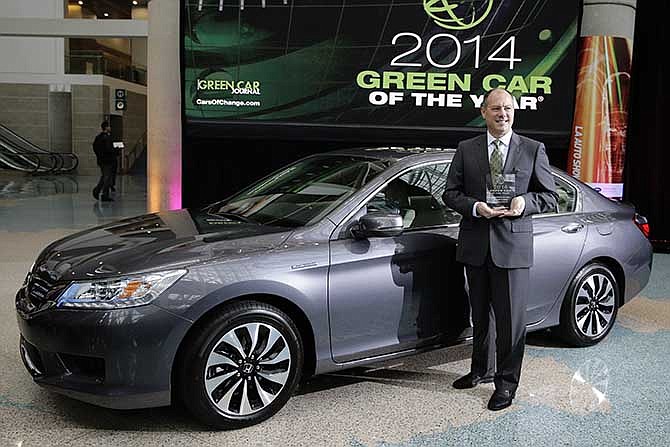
152,242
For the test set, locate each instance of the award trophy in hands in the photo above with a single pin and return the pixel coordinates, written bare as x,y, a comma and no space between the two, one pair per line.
500,190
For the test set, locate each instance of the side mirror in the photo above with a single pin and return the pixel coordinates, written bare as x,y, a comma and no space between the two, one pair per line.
378,225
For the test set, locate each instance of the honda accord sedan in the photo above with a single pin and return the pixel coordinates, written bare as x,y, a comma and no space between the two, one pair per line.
335,261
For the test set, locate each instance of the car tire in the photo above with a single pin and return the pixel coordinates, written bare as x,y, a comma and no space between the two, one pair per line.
241,366
590,306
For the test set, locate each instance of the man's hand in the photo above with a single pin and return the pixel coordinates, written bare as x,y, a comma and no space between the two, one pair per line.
516,207
484,210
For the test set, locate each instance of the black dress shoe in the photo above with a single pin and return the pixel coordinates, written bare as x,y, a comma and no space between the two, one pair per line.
470,381
96,193
501,399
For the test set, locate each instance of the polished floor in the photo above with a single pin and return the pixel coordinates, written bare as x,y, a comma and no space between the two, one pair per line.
612,394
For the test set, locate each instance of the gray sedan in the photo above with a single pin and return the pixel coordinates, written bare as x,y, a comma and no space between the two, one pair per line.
337,260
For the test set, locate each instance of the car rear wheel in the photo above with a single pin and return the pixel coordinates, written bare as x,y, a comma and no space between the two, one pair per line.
241,366
590,306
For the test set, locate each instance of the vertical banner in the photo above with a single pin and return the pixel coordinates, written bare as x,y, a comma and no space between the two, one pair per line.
598,140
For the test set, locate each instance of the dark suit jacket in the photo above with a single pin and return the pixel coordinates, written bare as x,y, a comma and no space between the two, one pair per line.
509,239
104,149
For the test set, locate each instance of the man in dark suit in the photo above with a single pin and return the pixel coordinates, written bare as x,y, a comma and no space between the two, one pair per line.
496,242
106,158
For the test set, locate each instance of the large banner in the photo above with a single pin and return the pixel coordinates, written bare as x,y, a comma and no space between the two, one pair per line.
370,63
598,141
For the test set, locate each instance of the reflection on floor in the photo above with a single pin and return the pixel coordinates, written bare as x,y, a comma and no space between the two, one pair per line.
37,186
33,203
614,393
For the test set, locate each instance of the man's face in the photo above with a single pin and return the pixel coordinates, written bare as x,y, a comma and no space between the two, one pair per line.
499,113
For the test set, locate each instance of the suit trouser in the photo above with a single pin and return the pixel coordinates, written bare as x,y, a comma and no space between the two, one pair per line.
105,182
498,298
115,168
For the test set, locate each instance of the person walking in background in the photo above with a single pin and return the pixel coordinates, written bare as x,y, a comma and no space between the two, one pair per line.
496,242
106,158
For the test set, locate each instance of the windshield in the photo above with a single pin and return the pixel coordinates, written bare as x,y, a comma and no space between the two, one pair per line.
303,192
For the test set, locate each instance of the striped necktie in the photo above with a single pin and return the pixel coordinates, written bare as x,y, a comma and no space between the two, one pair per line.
496,162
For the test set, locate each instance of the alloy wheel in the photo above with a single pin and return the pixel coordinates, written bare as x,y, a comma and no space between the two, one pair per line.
247,369
594,306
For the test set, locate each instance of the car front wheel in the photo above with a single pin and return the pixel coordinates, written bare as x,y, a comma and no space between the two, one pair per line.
241,366
590,306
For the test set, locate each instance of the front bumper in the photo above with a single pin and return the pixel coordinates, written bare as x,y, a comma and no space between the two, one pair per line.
113,358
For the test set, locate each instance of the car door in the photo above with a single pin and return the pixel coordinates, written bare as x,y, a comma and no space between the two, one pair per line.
558,242
388,294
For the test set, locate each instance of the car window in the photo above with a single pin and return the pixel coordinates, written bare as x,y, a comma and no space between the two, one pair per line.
303,192
567,195
416,195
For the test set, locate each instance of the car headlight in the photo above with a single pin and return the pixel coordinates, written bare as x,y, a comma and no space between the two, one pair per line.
116,293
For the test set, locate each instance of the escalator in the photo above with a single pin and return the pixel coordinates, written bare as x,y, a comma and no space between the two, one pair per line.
20,154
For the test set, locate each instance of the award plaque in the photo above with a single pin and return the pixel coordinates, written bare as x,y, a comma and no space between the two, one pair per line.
500,189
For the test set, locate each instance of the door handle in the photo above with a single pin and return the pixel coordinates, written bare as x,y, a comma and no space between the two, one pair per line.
572,228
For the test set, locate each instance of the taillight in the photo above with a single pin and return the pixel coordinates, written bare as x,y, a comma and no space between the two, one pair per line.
642,224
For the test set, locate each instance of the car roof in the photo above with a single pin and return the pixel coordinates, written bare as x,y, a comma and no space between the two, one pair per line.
413,155
397,153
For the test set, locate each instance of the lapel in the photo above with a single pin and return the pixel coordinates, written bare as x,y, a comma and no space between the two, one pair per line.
482,154
512,153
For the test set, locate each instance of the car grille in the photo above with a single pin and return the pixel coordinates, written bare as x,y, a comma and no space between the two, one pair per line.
42,289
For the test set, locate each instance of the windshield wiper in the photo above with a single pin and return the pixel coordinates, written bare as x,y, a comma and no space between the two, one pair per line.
236,216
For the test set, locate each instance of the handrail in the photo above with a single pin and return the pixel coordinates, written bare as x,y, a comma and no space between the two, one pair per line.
58,162
32,167
134,153
6,129
16,145
9,150
74,163
76,63
56,158
39,155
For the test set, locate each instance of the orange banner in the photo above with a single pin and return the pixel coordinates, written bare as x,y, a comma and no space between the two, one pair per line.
598,142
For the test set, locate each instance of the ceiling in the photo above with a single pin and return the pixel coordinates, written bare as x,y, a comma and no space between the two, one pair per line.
115,9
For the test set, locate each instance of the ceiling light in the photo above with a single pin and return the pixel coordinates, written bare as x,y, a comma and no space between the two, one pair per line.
135,2
80,2
106,14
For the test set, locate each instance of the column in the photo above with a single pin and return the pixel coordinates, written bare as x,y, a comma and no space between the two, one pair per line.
163,107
